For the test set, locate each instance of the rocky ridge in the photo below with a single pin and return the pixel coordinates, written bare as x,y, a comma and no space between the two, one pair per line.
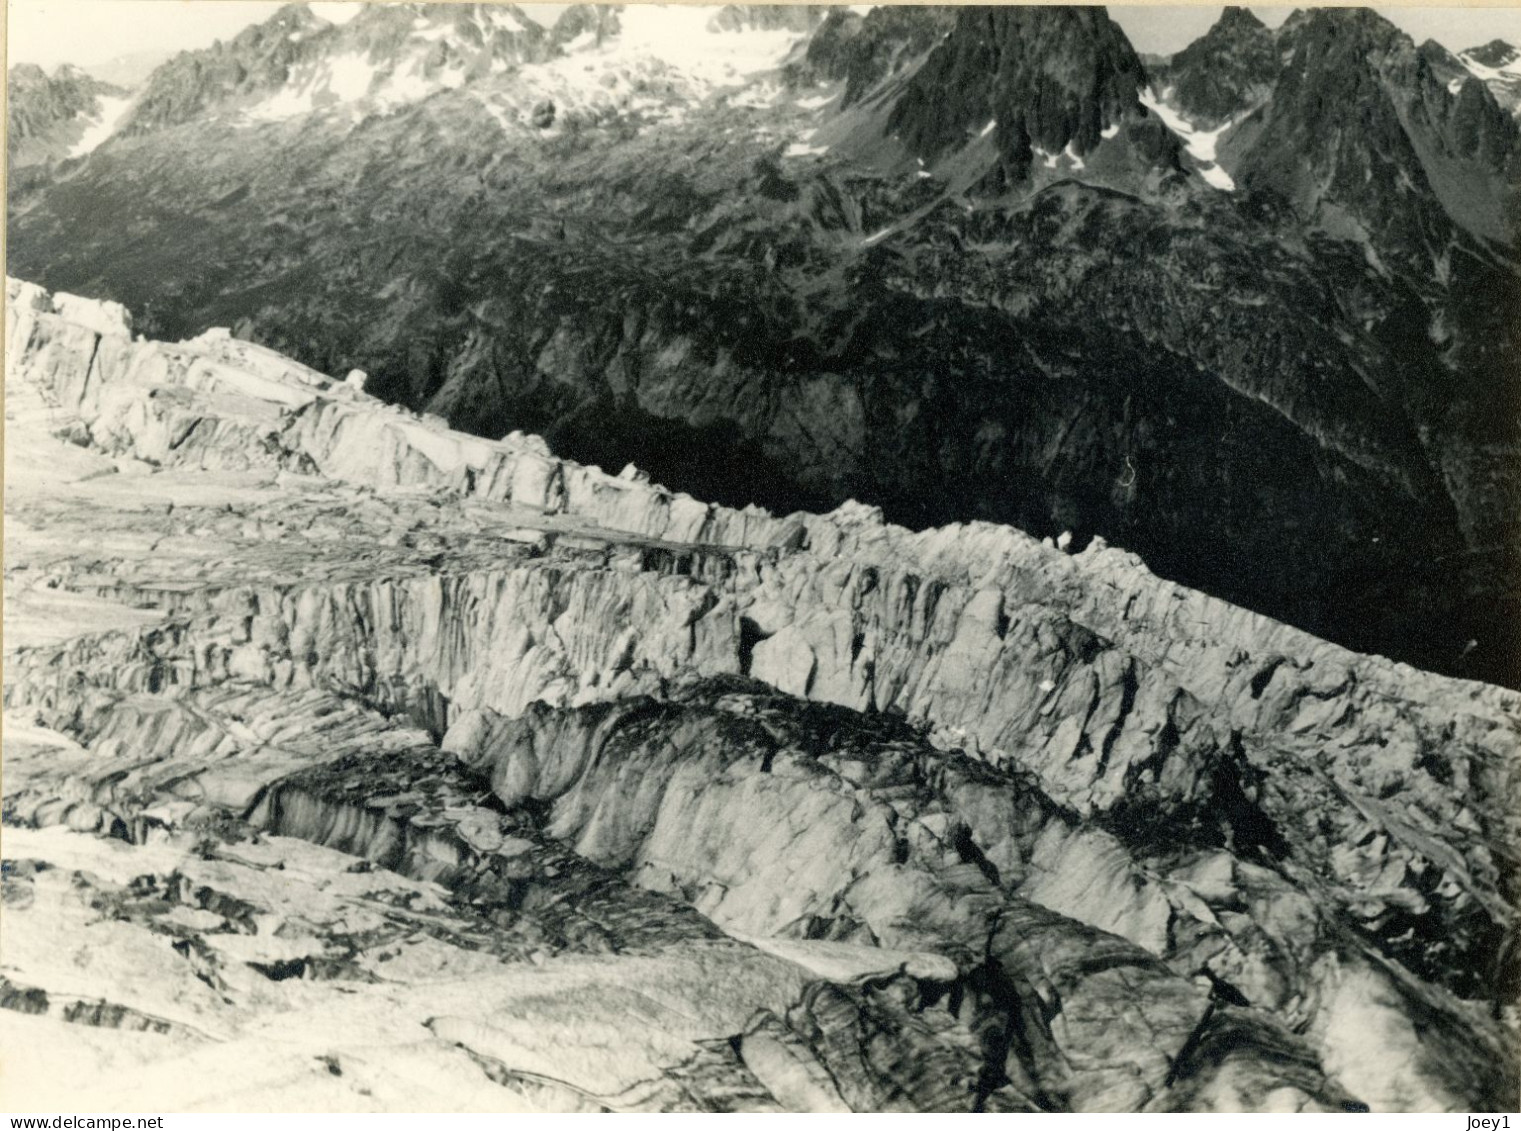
379,727
54,117
1498,64
812,260
297,62
1457,144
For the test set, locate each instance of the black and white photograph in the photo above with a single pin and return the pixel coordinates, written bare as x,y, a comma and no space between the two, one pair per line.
761,558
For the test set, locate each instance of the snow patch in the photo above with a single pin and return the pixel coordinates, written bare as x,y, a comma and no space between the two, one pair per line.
405,86
1071,155
678,35
504,21
1199,143
101,126
1109,131
663,59
1503,73
1218,177
875,237
350,77
989,128
801,149
289,101
343,78
662,56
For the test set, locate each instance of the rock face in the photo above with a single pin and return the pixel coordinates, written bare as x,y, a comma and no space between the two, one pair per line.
53,117
1228,71
1411,127
1048,77
355,762
864,52
961,264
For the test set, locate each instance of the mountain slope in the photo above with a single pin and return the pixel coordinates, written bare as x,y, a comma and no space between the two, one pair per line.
1498,64
1359,119
54,117
961,264
1053,80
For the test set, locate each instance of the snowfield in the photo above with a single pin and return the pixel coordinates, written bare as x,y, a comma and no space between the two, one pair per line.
102,126
662,54
1199,143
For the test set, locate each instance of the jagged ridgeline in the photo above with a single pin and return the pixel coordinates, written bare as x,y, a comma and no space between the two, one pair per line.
1248,311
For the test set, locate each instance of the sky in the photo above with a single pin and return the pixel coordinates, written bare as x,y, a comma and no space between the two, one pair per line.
88,32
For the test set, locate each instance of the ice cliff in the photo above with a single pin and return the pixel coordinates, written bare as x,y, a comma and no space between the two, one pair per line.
506,782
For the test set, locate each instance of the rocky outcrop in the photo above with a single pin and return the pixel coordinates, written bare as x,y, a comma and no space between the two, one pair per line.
863,51
258,58
53,117
600,20
1053,832
1226,73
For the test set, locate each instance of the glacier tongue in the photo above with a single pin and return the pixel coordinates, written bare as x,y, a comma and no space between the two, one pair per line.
364,726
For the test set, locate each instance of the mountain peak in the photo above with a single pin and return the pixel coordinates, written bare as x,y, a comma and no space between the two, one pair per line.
863,50
1048,78
1226,71
1434,52
1333,25
594,21
52,117
27,73
1365,122
387,56
1497,64
1496,53
297,17
1238,19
